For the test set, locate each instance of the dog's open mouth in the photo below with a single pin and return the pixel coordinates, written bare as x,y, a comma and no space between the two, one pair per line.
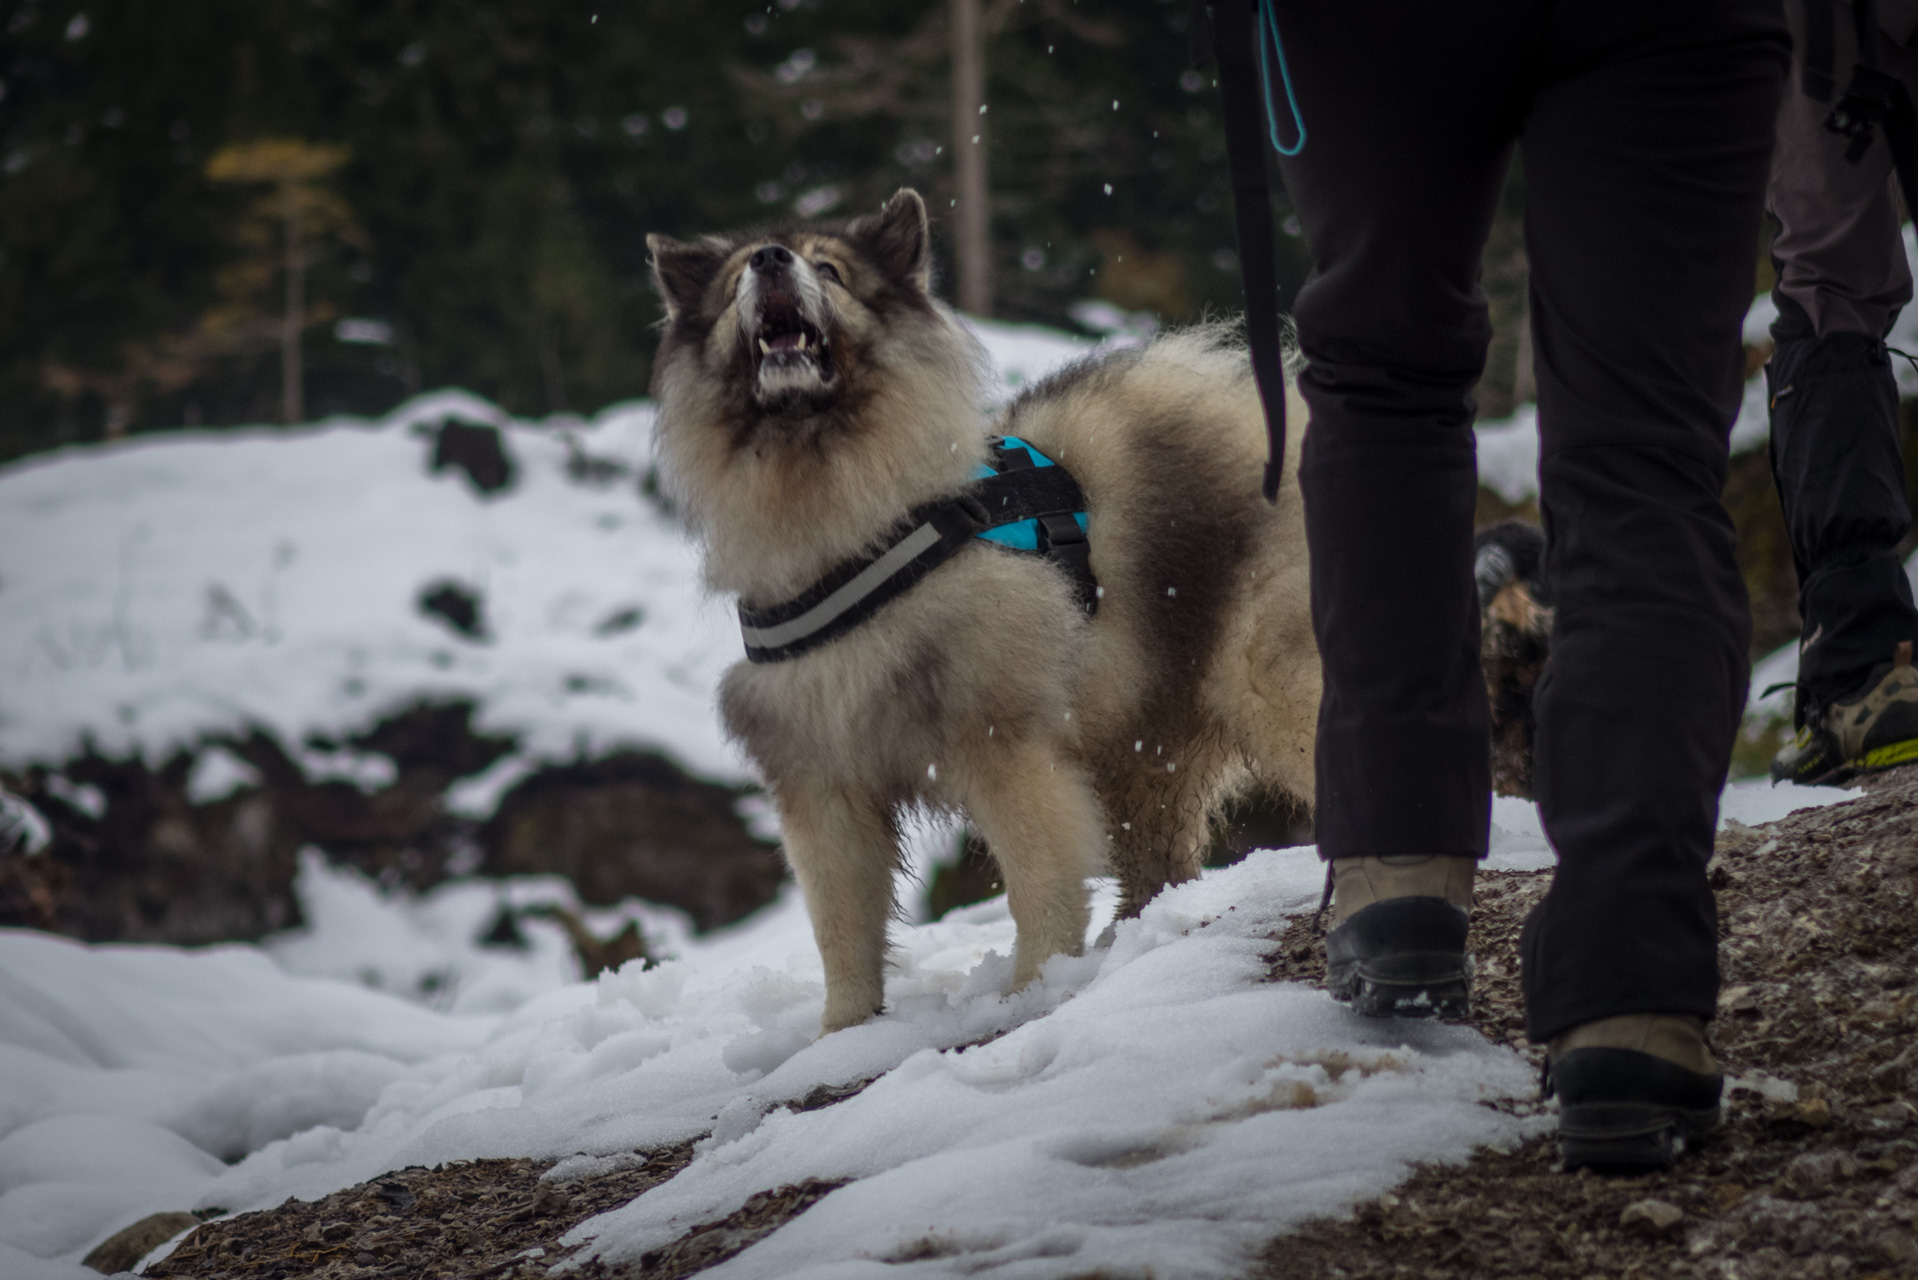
792,355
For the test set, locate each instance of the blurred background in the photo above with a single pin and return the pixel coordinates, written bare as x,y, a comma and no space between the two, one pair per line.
467,187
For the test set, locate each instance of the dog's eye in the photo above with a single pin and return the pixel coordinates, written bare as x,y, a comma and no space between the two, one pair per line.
827,271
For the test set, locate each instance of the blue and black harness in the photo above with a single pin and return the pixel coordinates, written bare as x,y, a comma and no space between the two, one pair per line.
1020,499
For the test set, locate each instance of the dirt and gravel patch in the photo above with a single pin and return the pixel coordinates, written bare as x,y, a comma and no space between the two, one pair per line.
483,1220
1815,1171
471,1219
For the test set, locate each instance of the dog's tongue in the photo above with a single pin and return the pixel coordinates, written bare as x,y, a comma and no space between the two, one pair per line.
786,341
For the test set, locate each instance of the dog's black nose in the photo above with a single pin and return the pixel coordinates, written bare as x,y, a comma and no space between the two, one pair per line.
770,259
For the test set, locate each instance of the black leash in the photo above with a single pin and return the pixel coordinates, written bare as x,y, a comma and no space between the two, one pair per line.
1234,42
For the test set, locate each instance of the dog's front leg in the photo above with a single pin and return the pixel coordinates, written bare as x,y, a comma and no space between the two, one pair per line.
842,853
1041,821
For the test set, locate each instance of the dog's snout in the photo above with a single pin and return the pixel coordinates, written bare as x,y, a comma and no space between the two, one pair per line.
771,259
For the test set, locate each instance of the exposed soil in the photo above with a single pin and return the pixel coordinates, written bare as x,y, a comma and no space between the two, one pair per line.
479,1218
496,1219
1819,922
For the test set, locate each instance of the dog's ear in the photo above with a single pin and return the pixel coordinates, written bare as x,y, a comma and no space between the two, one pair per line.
898,238
681,271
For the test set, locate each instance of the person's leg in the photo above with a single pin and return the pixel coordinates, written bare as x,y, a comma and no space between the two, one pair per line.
1842,278
1410,110
1409,136
1646,155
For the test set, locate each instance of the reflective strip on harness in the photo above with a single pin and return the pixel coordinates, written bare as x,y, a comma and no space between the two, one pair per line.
828,611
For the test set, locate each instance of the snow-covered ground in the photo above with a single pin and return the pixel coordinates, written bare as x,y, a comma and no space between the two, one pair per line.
1153,1103
198,582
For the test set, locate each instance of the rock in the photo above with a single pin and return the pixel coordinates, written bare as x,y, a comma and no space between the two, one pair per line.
634,825
1815,1172
153,864
476,449
1895,1246
1651,1217
119,1251
460,607
1815,1112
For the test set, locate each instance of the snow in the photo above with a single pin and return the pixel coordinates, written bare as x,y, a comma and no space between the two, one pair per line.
1154,1100
1151,1101
175,587
22,828
216,774
1508,455
1023,354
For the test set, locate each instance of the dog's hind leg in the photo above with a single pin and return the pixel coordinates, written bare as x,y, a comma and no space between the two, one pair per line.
1164,844
1159,794
1041,821
843,853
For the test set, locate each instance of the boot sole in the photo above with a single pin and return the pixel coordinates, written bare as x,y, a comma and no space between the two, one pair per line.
1628,1135
1863,767
1428,984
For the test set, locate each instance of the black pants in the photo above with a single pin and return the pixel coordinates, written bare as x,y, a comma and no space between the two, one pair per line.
1646,133
1841,480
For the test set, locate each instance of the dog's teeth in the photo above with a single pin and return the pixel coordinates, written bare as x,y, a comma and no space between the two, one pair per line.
765,348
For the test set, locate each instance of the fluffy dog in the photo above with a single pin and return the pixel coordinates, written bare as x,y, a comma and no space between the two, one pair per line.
1515,639
811,392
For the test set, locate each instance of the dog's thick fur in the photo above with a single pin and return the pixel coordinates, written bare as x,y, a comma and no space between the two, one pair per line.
1067,742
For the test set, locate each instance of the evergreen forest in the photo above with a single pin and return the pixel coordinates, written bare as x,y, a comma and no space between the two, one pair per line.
385,196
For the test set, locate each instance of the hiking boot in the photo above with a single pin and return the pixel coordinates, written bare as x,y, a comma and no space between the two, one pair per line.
1875,728
1632,1090
1397,944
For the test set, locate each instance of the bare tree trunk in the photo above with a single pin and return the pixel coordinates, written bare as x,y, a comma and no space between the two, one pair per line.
971,230
292,399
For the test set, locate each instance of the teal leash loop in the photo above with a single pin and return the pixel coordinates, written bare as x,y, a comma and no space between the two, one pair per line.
1269,29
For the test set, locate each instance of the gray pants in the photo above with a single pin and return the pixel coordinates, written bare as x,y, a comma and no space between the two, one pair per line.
1837,249
1842,278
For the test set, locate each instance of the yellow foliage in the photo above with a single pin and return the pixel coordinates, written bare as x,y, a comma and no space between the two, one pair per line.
296,171
283,161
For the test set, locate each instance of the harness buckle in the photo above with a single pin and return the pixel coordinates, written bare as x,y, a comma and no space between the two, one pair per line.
1062,541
